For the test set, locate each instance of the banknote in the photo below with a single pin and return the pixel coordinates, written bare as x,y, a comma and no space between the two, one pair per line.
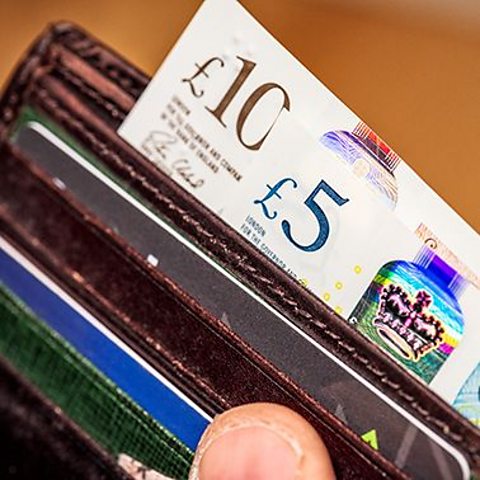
209,112
378,419
467,400
304,210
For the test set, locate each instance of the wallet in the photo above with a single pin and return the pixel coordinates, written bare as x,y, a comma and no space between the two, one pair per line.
117,286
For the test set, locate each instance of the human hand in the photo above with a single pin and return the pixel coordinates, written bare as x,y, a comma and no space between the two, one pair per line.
261,442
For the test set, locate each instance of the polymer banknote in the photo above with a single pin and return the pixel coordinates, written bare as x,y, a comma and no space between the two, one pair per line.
208,113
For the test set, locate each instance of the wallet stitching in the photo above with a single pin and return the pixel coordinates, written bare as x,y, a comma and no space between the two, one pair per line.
422,411
116,112
122,78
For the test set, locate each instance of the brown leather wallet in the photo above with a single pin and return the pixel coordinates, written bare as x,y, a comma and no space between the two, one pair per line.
87,89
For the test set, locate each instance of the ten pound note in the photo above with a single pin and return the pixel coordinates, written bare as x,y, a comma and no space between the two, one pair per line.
238,122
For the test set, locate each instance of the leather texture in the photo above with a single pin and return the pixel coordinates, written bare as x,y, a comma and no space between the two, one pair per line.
89,89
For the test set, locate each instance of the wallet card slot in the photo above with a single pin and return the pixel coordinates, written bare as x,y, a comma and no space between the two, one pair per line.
73,240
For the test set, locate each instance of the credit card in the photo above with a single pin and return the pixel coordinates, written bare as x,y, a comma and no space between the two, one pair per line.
84,394
139,380
366,410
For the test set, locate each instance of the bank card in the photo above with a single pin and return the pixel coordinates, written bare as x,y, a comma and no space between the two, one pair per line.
154,393
366,410
84,394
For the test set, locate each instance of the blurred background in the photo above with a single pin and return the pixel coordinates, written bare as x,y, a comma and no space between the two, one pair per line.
409,68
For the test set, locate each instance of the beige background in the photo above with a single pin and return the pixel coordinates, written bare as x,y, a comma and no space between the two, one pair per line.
412,73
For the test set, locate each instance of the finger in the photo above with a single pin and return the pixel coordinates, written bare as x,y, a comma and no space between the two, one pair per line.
261,441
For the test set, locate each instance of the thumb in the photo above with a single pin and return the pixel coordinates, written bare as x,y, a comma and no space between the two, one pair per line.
261,441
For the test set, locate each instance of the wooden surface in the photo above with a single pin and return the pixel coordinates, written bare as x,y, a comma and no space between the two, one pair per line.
415,81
